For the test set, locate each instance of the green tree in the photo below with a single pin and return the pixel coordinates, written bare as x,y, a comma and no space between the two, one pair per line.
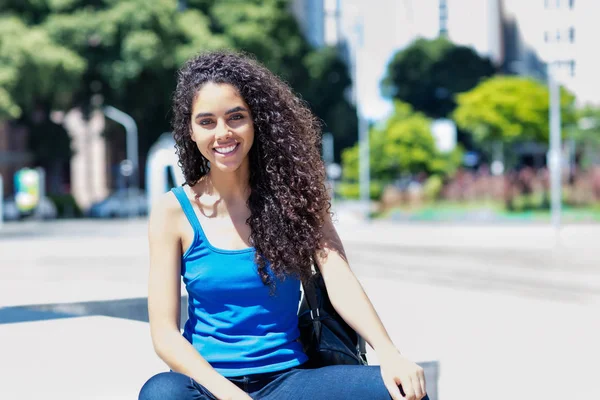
402,146
35,73
509,109
324,89
586,135
125,53
34,68
428,73
133,48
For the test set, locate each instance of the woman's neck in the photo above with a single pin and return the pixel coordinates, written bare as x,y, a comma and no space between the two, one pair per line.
225,187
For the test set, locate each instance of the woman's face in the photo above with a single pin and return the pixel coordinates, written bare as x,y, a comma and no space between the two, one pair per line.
222,126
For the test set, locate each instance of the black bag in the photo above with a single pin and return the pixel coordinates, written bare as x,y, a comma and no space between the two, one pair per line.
326,338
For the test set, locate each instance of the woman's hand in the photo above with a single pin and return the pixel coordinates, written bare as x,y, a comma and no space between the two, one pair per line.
397,370
241,396
231,392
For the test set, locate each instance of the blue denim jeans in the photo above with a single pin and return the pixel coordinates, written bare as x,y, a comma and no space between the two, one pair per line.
342,382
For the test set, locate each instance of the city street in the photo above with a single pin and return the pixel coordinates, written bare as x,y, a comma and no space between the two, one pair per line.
469,130
504,311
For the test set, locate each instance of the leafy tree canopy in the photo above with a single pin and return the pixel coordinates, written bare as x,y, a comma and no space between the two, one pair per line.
403,145
428,73
33,66
127,51
509,109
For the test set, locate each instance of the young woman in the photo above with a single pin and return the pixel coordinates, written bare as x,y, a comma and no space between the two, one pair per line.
244,231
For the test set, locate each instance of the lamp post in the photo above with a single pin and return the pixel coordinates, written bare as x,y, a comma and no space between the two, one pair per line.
363,128
555,151
132,139
130,167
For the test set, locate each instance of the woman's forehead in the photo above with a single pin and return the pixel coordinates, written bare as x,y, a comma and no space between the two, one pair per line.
218,95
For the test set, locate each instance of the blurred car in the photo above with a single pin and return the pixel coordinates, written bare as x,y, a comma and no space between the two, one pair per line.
10,212
121,204
46,209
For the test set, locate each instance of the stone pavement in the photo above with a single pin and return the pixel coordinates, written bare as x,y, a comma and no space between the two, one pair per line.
509,311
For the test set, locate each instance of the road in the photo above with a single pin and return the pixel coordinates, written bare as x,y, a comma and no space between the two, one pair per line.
507,311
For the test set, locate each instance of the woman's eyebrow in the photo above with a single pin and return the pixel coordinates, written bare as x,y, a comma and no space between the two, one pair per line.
235,109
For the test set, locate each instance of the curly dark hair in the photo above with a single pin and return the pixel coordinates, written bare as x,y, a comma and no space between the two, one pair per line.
288,200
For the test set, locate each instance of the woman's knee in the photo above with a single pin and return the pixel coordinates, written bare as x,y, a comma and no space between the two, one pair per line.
160,386
170,385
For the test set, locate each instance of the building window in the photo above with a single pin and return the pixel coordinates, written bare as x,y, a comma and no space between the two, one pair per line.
572,34
571,4
557,3
546,37
558,35
546,4
572,68
443,9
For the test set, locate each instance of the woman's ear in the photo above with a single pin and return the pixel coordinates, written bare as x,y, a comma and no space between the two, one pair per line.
191,133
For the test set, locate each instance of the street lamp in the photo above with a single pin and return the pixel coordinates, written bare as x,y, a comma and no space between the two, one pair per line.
554,154
130,167
363,128
131,142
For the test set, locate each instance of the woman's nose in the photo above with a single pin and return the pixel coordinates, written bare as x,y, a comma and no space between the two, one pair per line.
223,131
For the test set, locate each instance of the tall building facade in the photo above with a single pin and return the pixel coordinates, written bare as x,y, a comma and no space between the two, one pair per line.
318,20
520,37
310,15
563,32
374,31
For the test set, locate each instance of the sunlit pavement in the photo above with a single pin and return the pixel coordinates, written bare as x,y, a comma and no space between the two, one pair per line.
507,311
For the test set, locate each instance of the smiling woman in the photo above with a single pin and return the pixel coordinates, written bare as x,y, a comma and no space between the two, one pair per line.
222,128
277,163
244,231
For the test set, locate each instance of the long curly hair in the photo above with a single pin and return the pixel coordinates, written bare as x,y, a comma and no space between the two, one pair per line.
288,199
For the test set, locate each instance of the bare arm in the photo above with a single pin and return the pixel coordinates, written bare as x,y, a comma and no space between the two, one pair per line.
346,293
164,294
351,302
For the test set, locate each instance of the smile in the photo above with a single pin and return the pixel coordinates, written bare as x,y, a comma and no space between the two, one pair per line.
226,150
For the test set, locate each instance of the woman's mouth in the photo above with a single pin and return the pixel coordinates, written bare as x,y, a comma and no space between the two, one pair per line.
226,150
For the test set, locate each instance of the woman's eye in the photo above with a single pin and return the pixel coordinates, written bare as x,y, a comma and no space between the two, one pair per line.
236,117
205,122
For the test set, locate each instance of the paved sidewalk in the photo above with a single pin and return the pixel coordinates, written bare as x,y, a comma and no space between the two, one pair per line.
508,311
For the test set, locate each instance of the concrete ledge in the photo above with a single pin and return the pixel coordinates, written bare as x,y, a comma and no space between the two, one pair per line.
76,359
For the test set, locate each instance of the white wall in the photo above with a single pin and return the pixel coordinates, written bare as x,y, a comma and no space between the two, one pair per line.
390,25
477,24
534,19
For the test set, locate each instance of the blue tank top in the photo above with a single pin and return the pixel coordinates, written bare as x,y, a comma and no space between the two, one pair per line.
234,321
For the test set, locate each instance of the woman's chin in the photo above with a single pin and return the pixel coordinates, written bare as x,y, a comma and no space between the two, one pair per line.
225,168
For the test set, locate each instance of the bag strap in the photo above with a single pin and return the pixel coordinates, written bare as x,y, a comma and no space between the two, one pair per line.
362,345
310,294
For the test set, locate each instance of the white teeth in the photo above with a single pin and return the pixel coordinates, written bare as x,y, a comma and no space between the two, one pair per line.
225,150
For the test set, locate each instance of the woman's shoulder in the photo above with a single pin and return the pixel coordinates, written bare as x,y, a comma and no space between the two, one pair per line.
164,213
166,203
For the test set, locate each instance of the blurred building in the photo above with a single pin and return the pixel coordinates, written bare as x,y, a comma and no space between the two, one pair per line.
90,173
559,31
13,153
368,34
310,15
88,177
520,57
473,23
318,20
